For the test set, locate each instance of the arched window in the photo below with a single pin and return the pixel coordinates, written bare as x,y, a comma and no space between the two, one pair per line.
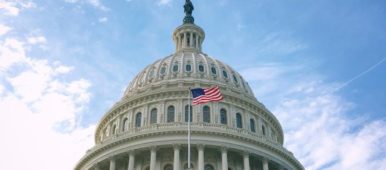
125,124
252,125
225,74
187,113
263,129
223,116
106,132
153,116
201,68
170,115
114,129
138,119
208,167
235,79
239,121
168,167
151,74
206,114
163,70
175,68
213,69
188,68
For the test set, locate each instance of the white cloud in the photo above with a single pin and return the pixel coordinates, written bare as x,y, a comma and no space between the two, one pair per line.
103,19
40,111
317,128
164,2
11,52
4,29
13,7
37,40
9,8
278,43
95,3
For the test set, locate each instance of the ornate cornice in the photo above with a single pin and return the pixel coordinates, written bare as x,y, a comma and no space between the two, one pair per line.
198,129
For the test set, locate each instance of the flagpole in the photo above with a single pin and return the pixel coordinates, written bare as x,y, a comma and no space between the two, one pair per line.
189,118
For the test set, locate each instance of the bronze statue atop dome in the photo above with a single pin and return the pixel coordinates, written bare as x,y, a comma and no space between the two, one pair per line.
188,9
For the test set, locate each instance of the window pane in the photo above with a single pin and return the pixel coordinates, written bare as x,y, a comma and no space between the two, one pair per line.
170,116
206,114
201,68
239,120
138,118
252,124
125,121
175,68
263,129
188,68
214,70
235,79
223,116
163,69
153,116
225,74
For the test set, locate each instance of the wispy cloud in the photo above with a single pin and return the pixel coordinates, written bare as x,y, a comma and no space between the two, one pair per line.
102,19
95,3
36,40
277,43
4,29
13,7
361,74
317,128
38,104
164,2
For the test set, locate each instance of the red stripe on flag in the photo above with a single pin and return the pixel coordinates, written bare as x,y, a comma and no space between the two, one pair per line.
211,94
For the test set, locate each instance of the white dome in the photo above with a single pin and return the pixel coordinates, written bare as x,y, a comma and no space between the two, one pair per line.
195,67
147,129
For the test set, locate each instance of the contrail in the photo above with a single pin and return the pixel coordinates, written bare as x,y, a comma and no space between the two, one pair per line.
360,75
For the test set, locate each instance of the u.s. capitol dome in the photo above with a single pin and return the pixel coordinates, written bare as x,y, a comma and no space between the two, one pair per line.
147,129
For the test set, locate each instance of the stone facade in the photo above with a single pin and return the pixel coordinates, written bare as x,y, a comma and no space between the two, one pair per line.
147,128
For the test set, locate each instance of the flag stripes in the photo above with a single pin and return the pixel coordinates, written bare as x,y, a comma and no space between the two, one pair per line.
201,96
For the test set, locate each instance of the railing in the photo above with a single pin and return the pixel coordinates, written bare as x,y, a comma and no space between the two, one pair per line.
195,127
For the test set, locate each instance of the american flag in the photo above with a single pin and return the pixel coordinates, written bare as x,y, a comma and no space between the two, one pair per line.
201,95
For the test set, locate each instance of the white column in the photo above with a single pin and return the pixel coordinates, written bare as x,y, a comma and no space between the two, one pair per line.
112,164
265,164
176,161
131,161
246,161
191,39
200,157
184,41
153,156
224,159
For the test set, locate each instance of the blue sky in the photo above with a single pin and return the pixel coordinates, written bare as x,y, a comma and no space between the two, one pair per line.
319,66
